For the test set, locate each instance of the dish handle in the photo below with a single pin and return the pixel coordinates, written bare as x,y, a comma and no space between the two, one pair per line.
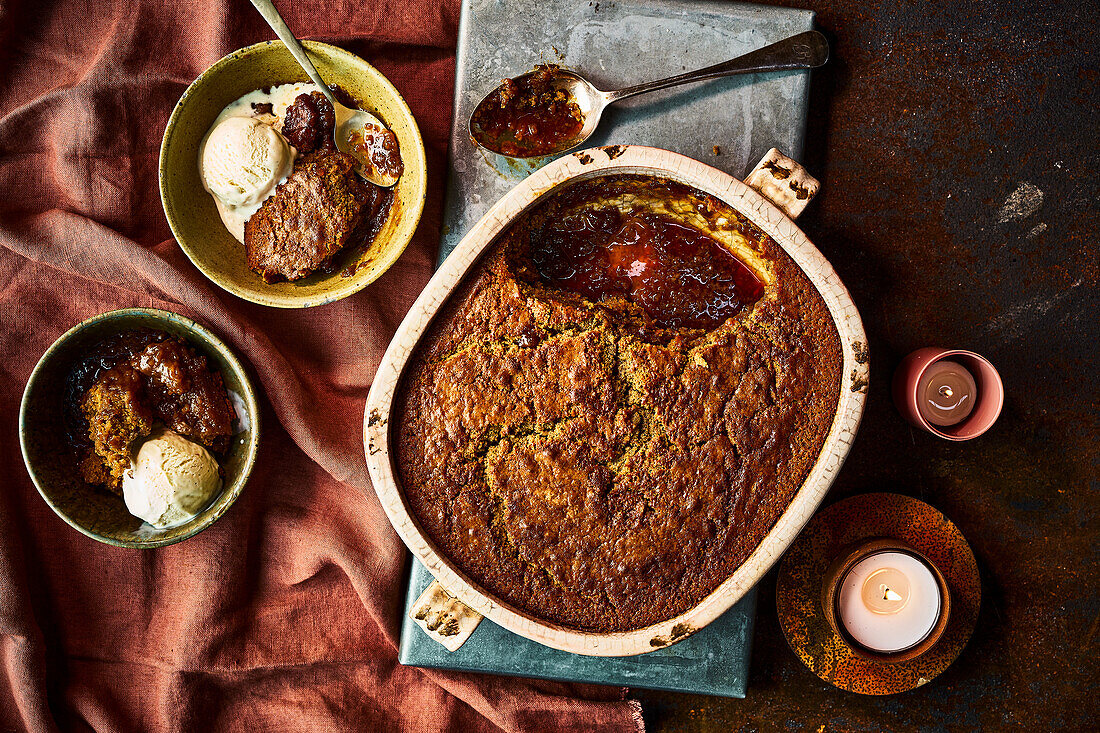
784,182
443,617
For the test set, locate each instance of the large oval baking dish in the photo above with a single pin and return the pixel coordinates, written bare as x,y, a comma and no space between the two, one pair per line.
759,210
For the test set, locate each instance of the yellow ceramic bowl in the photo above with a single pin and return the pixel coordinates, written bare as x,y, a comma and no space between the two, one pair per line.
190,209
95,512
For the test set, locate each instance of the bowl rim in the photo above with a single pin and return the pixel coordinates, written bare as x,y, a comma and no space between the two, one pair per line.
834,450
211,340
353,284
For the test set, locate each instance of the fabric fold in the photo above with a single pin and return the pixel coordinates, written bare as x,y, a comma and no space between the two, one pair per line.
285,614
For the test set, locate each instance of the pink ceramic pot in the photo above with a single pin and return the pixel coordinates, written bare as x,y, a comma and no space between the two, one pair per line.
987,408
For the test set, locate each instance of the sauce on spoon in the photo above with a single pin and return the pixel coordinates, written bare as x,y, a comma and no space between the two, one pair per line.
528,116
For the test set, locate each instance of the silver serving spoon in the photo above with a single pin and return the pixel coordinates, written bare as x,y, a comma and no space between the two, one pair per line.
352,132
804,51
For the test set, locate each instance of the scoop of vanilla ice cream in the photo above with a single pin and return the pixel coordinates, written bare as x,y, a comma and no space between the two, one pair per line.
170,480
243,160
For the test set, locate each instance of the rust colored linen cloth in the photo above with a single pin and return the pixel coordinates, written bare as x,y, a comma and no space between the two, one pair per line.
285,614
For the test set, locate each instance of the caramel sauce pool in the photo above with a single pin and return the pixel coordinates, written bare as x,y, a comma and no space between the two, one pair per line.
678,275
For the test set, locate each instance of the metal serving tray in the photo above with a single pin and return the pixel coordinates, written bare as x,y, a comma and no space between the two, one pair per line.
615,43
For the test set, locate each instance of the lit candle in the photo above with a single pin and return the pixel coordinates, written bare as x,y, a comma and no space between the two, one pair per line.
948,393
889,601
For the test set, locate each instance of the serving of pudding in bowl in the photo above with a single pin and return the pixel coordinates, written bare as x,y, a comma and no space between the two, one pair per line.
282,187
139,427
259,197
146,415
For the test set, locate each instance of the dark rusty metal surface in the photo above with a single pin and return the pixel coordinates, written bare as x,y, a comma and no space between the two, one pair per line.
957,146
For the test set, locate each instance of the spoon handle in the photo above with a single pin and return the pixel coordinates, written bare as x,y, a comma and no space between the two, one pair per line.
271,15
804,51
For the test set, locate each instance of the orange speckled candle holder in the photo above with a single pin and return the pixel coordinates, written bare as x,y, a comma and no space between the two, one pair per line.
833,533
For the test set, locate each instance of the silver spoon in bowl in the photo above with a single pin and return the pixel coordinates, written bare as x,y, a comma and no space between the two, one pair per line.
803,51
353,131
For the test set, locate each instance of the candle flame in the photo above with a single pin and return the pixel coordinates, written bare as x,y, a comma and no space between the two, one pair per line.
889,595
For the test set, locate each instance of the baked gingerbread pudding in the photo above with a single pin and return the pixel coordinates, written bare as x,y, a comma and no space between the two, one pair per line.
617,404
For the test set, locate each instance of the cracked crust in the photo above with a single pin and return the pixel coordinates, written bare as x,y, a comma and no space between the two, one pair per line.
599,474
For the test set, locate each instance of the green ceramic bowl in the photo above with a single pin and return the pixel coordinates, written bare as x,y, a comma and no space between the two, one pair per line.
190,209
94,511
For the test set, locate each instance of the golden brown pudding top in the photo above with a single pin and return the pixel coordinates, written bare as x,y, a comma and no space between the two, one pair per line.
617,404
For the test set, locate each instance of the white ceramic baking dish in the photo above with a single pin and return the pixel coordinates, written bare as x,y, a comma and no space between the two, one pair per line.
775,193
